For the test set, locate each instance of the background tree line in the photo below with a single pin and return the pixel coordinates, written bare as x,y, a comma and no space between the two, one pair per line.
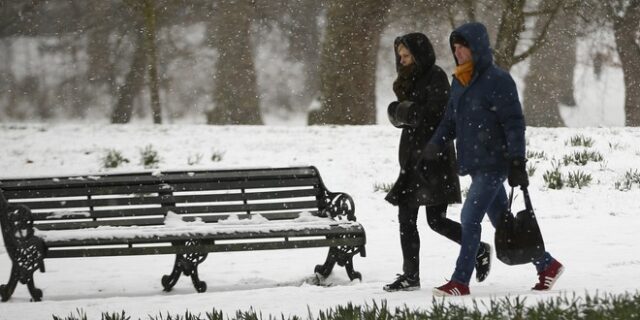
173,59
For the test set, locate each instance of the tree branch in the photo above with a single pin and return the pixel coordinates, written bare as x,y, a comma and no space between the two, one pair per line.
539,41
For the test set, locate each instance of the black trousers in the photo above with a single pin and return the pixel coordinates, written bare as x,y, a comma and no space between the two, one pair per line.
410,238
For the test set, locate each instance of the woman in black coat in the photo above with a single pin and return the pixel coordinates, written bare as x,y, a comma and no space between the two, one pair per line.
422,90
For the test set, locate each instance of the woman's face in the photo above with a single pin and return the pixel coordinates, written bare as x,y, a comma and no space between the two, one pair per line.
406,58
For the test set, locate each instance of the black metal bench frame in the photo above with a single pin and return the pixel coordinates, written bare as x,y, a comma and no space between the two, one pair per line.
32,205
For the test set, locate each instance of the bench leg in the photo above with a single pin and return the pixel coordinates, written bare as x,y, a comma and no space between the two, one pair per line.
6,290
186,264
36,294
24,277
29,259
343,256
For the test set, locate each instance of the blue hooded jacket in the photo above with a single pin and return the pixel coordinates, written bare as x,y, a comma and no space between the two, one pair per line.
486,116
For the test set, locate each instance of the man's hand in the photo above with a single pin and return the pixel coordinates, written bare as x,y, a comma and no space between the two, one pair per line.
518,173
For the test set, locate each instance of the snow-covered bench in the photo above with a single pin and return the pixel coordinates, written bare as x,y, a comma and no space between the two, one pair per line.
188,214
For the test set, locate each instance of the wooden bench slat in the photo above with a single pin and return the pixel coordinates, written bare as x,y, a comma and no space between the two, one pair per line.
152,189
99,223
334,230
83,192
156,178
134,221
255,207
281,194
138,211
119,201
102,252
251,184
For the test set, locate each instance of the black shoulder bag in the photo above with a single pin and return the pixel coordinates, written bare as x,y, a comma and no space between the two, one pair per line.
518,239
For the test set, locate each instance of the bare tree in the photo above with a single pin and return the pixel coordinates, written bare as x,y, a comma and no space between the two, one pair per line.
512,26
549,81
348,62
235,84
626,26
134,81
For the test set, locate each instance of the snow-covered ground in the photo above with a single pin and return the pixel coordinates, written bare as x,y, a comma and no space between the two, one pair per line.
593,231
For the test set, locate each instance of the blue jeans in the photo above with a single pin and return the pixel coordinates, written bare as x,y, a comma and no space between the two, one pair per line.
486,195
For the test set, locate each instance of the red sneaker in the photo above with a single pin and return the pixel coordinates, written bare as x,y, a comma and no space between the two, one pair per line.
452,288
548,277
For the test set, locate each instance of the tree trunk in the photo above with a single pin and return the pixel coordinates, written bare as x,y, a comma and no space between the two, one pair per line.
549,81
626,29
511,25
348,62
235,83
304,42
152,59
132,85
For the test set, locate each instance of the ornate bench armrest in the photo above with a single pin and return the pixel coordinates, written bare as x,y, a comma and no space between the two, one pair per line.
18,233
338,205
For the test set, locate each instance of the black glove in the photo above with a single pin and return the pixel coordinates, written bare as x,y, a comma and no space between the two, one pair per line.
518,172
431,152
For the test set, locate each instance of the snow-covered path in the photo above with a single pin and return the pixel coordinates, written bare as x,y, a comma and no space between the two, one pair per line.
593,231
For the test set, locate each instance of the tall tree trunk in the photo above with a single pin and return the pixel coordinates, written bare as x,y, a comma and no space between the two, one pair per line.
549,81
348,62
626,30
132,85
7,80
304,39
511,26
152,59
235,83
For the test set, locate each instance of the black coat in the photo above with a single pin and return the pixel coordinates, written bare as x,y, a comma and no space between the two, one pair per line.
425,85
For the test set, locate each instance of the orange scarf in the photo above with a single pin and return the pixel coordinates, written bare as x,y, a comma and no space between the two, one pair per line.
464,72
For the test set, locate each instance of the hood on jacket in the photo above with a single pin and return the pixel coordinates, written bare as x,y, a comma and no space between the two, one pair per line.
477,37
420,47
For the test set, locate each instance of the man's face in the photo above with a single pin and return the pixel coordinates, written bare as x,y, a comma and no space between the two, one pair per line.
462,53
406,58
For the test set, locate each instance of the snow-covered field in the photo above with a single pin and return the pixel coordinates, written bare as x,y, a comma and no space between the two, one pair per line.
593,231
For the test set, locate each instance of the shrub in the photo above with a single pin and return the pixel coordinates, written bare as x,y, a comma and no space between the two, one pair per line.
630,177
578,179
536,155
616,146
582,157
216,156
581,141
386,187
113,159
194,159
149,157
81,316
564,306
531,169
553,178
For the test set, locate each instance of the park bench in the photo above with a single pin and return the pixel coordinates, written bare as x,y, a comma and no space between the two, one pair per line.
188,213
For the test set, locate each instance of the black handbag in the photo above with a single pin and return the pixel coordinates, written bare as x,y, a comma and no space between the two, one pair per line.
518,239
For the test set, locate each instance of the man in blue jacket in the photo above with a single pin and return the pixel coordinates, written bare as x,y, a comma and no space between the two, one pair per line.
485,116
